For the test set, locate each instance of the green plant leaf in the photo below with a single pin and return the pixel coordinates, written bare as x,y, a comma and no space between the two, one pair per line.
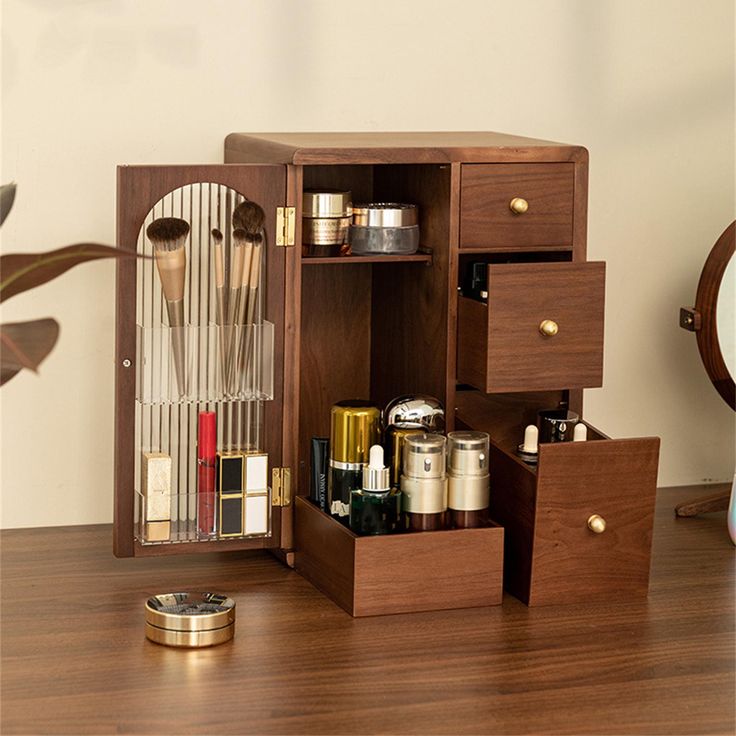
7,197
22,271
25,345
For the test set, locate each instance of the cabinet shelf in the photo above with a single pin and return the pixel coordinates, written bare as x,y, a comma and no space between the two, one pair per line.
344,260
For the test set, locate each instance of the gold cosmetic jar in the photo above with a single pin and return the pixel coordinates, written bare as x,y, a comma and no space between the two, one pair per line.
190,619
326,218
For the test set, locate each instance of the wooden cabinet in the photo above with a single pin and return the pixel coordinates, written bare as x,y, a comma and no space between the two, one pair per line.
377,327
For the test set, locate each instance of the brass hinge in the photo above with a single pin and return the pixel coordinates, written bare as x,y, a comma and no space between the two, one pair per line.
281,486
285,225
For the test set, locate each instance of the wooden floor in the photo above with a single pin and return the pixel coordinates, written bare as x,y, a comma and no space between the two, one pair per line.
75,660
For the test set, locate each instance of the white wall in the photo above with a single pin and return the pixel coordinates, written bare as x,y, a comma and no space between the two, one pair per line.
646,85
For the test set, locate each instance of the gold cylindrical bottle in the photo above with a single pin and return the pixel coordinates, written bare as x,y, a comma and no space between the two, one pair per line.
467,471
354,427
424,482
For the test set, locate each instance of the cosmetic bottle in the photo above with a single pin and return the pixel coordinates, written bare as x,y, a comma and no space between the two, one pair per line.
468,479
318,485
405,415
376,508
355,426
528,450
424,482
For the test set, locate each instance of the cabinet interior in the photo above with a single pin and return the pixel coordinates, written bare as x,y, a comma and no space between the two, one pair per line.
389,336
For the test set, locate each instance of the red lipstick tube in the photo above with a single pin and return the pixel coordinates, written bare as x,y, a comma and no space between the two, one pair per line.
206,450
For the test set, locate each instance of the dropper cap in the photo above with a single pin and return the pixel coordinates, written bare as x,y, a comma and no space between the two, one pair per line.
375,475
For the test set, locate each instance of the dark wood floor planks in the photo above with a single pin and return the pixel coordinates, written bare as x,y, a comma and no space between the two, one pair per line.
74,657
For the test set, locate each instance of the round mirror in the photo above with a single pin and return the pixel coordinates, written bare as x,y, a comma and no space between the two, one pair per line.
713,318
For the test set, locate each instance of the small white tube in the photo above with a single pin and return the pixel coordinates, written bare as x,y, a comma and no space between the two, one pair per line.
580,433
531,439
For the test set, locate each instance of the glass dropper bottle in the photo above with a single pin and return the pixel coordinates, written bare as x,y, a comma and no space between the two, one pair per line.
376,508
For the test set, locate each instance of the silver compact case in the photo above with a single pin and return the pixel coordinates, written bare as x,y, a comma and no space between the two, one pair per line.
385,228
190,620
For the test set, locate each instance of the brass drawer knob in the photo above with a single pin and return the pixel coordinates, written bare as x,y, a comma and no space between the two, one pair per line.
548,327
518,205
597,524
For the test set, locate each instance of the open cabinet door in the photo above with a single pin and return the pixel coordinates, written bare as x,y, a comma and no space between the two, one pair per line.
165,375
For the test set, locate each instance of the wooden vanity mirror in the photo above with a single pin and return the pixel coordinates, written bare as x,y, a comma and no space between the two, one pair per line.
712,320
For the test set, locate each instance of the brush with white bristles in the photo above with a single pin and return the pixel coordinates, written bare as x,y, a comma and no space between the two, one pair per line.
168,236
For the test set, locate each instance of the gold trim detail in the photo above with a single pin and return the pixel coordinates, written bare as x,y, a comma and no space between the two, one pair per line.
191,639
285,226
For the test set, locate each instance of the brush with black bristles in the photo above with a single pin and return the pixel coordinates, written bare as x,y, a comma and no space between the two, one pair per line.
168,235
254,281
220,300
233,300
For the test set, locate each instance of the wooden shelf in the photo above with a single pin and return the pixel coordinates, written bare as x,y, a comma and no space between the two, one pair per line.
344,260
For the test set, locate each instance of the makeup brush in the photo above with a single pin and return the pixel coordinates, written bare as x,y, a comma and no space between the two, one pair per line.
233,308
220,299
253,284
168,235
243,299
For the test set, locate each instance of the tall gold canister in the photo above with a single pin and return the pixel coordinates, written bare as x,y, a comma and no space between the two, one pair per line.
354,427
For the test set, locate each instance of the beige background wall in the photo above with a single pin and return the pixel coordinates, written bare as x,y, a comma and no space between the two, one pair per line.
646,85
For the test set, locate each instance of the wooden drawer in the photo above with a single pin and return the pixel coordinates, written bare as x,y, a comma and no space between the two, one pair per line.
500,346
552,556
399,573
486,217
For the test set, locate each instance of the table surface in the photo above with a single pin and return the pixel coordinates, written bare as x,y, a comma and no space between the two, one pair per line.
75,660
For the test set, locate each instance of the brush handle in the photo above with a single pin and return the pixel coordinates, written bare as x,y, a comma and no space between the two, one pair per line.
220,312
178,342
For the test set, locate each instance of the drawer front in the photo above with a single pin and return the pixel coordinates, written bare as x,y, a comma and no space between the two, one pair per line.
503,346
613,481
487,215
398,573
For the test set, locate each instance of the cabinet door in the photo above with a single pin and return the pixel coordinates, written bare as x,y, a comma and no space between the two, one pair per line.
540,330
154,408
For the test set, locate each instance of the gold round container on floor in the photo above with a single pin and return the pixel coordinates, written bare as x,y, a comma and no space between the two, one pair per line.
190,620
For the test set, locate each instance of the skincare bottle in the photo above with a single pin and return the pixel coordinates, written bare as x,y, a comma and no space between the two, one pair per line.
355,426
424,482
376,508
468,479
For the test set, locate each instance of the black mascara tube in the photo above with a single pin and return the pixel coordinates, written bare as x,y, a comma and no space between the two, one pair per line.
318,486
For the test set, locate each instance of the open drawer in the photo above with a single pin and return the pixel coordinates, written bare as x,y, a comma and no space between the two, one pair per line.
578,526
541,328
398,573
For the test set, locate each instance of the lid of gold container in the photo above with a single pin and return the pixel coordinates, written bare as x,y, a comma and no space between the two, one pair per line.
326,203
354,427
190,619
385,214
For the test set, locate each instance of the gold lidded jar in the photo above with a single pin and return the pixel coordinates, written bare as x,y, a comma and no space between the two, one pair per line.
326,218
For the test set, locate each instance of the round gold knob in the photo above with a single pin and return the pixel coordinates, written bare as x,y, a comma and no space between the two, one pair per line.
597,524
548,327
518,205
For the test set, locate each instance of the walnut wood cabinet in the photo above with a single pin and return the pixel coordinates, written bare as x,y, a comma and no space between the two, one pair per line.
377,327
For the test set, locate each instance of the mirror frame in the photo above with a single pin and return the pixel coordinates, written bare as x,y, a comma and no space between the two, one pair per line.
706,301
